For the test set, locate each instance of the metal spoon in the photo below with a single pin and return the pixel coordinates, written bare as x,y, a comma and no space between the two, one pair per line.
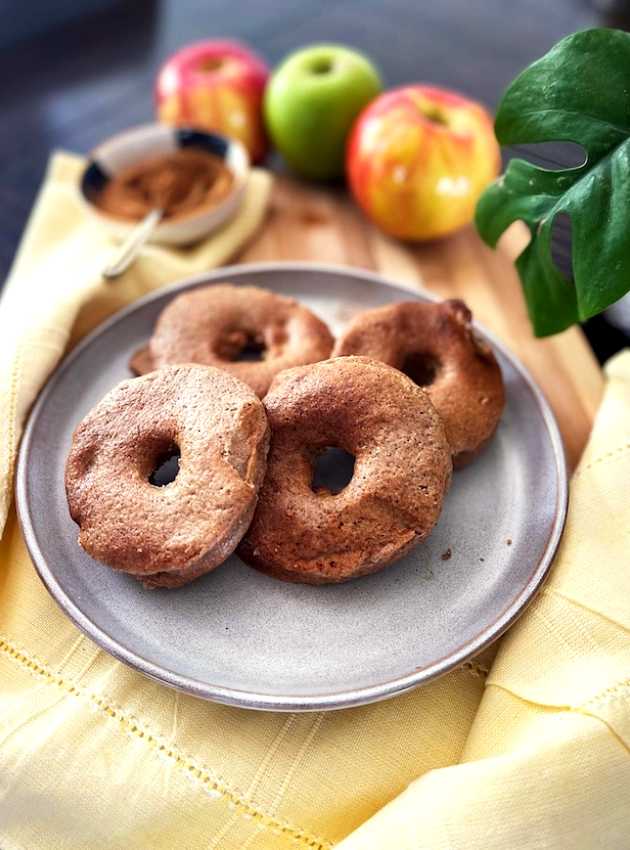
130,248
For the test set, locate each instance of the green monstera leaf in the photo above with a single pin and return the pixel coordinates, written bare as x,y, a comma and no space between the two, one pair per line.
578,92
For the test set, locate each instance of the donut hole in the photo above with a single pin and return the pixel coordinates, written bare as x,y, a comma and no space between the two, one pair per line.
239,346
252,352
421,367
333,469
165,466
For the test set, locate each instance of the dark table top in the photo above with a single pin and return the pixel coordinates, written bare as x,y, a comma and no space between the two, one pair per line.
78,82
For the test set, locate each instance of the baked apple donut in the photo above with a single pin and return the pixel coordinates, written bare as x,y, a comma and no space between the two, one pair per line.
435,344
216,325
401,473
166,536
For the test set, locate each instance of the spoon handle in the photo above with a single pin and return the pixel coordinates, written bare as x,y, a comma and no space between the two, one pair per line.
133,243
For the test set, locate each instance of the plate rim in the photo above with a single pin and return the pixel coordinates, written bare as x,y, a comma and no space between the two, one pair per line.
288,702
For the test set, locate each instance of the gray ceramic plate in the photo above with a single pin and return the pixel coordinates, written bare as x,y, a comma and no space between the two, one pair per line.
240,637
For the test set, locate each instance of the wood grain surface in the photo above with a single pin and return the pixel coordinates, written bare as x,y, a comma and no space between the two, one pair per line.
323,225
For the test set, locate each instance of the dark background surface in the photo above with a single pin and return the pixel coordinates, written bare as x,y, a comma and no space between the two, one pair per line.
73,74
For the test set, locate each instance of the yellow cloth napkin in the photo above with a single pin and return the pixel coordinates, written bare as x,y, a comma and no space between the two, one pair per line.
93,756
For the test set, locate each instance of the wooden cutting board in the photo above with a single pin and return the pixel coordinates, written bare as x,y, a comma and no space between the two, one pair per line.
323,225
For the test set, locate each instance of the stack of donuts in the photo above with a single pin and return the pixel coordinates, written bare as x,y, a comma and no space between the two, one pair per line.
249,389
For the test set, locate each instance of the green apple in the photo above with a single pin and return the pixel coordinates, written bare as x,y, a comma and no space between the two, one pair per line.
311,102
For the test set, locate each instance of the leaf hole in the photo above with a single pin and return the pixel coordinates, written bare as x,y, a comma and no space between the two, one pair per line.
561,245
553,156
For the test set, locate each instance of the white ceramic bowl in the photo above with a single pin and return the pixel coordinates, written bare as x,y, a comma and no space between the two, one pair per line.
151,140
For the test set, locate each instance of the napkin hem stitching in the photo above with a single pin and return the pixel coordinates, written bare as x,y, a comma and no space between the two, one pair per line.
601,458
607,694
184,761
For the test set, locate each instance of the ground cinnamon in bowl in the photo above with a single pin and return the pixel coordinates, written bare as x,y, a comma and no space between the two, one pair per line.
180,183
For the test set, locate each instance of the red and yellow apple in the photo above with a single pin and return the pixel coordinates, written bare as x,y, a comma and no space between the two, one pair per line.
418,158
215,85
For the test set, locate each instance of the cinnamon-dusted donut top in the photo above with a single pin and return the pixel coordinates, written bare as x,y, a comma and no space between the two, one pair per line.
171,534
401,473
436,345
216,325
